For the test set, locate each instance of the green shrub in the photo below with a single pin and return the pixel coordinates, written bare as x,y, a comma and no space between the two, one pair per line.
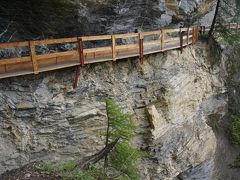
235,129
120,163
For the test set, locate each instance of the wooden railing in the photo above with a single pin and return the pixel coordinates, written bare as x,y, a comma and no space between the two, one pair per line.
117,46
140,44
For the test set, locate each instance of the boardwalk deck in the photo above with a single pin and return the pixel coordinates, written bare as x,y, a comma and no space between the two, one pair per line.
152,42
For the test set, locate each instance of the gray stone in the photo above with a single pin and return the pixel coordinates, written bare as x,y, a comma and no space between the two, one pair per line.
50,121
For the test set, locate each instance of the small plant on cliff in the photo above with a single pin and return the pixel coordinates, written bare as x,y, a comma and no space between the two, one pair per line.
235,129
120,158
124,157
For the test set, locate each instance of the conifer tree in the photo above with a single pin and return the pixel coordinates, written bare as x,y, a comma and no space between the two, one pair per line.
124,157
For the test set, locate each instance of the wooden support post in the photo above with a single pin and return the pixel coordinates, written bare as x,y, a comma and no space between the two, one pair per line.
33,57
181,40
113,48
141,48
162,40
81,56
187,37
77,75
81,59
193,36
197,33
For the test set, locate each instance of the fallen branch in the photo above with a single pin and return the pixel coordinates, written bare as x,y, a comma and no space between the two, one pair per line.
98,156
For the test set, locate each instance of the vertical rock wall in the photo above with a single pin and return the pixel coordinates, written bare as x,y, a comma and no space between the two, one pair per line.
171,98
30,19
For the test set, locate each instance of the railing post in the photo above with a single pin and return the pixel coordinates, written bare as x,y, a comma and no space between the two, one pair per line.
33,57
193,36
140,48
187,37
181,39
162,39
197,33
113,48
81,56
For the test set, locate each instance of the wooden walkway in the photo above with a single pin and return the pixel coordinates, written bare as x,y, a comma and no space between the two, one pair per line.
119,46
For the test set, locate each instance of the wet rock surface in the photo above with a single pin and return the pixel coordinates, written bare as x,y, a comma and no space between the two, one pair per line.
43,118
29,19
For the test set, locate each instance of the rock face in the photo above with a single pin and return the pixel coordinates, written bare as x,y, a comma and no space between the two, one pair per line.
170,96
226,68
67,18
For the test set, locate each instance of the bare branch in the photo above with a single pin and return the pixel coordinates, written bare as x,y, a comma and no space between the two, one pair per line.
5,31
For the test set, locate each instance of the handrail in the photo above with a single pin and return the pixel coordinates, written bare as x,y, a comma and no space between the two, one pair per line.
140,44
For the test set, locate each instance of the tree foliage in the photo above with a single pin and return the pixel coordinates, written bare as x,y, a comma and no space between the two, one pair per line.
235,129
226,12
120,163
124,157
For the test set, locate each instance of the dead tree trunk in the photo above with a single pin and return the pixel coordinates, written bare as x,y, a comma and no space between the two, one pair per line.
98,156
214,19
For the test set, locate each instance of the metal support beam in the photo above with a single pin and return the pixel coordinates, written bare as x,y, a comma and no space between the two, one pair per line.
140,48
77,75
181,40
81,56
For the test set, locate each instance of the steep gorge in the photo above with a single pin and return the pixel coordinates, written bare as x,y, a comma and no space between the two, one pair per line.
172,97
181,103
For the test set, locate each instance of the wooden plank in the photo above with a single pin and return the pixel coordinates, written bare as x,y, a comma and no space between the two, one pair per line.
16,73
13,44
96,38
58,54
171,39
92,50
152,43
15,60
171,30
46,62
70,58
184,29
152,33
2,69
33,57
123,36
113,48
98,54
127,46
19,67
58,66
55,41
